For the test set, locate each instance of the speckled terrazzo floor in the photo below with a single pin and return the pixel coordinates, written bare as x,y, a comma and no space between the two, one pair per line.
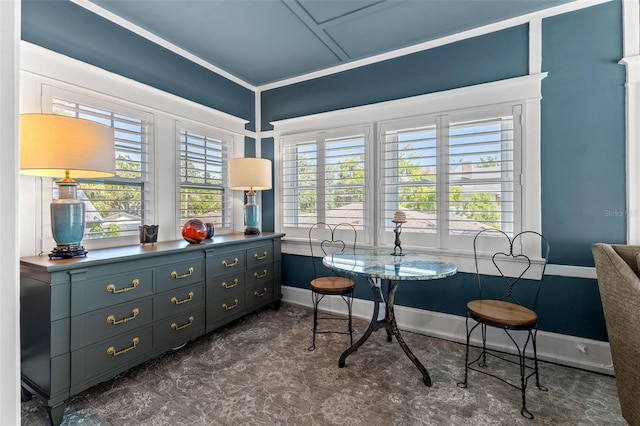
258,371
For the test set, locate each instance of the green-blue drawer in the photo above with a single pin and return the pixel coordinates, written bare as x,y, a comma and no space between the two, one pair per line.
259,256
97,325
186,272
221,287
226,263
178,329
111,290
111,355
178,300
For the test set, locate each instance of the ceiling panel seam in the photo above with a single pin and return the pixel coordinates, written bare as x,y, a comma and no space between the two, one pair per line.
358,13
311,24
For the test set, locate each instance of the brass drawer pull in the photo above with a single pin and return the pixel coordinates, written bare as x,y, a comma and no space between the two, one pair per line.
174,274
175,300
262,275
258,257
229,265
227,307
111,319
177,327
225,285
112,350
264,293
111,288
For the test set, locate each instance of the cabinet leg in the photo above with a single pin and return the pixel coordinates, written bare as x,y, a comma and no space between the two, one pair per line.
277,304
56,414
25,395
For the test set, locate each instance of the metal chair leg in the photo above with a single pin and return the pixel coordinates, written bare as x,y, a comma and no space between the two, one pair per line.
483,327
463,384
316,299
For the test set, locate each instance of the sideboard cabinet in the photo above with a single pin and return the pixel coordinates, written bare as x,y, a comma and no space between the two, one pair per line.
84,320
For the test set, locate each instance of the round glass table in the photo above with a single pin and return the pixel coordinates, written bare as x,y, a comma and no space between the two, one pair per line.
391,269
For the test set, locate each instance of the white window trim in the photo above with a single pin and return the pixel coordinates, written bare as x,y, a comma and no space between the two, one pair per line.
631,34
525,90
365,236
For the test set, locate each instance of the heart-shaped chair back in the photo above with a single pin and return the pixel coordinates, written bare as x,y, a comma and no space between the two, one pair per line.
512,260
325,239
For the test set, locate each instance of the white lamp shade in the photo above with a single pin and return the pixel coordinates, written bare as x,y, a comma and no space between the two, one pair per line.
250,173
52,144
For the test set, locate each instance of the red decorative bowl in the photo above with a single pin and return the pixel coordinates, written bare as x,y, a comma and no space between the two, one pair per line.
194,231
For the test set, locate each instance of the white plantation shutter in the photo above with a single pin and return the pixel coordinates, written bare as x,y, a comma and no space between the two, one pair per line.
115,206
409,167
452,175
323,179
203,176
481,175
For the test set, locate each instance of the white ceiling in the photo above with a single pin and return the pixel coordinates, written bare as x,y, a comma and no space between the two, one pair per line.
264,41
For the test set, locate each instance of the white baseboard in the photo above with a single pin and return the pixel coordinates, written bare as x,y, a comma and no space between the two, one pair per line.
587,354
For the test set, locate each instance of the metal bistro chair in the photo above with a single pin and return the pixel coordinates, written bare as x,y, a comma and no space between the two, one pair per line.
507,312
330,283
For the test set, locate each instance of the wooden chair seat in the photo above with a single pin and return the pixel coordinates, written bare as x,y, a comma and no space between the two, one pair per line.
502,313
332,285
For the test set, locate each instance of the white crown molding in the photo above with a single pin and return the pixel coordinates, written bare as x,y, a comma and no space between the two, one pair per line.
587,354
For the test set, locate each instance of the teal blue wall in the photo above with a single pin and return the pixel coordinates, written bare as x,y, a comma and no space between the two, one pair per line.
582,146
71,30
482,59
583,132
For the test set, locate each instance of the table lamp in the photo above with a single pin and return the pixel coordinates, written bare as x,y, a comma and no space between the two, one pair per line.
250,174
55,146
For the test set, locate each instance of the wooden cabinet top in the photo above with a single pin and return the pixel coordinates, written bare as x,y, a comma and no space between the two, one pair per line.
109,255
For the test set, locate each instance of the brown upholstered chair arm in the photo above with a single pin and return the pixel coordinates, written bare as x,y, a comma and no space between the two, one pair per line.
620,293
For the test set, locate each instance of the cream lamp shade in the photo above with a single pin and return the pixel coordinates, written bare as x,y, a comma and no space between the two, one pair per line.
51,145
56,146
249,174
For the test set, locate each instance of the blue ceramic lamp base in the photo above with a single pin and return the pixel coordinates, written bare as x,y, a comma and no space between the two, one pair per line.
251,215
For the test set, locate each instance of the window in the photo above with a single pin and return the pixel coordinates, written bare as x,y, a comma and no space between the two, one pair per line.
117,206
323,179
203,175
452,174
455,162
